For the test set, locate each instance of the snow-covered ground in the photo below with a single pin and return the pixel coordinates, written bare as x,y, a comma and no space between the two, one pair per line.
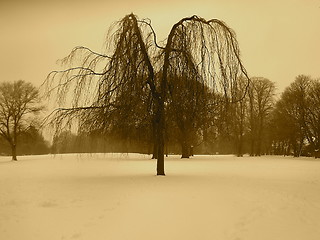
118,196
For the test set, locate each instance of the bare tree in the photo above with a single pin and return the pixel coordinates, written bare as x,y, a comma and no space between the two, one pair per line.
187,105
292,112
313,114
17,100
284,130
299,105
261,100
238,117
206,51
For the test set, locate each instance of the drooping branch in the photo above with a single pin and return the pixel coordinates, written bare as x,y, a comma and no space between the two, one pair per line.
101,80
212,47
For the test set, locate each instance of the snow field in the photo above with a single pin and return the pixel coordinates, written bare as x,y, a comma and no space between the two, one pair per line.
118,196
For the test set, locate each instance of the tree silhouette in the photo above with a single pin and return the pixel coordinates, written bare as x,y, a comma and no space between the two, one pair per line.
17,100
261,99
238,117
187,102
205,51
297,115
313,114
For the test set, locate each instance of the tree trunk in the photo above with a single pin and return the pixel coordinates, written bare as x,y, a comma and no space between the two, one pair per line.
154,138
259,137
252,146
205,141
295,149
258,148
160,138
14,152
240,139
258,141
160,162
240,143
185,150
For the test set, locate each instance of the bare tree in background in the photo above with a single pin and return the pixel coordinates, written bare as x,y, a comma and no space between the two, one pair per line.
187,103
206,51
261,99
17,100
313,115
297,113
238,118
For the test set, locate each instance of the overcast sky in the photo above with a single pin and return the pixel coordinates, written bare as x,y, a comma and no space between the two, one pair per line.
279,39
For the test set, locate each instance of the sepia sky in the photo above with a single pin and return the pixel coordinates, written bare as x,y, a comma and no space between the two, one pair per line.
279,39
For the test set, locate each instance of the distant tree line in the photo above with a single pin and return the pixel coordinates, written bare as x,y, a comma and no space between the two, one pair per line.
262,123
198,121
201,122
295,121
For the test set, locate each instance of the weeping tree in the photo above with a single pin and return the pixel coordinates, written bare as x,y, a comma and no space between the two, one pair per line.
92,88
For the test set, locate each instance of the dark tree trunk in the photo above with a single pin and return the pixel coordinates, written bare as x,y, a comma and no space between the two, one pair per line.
258,148
252,147
240,154
259,138
295,149
14,152
160,138
241,129
240,140
154,138
160,162
185,150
